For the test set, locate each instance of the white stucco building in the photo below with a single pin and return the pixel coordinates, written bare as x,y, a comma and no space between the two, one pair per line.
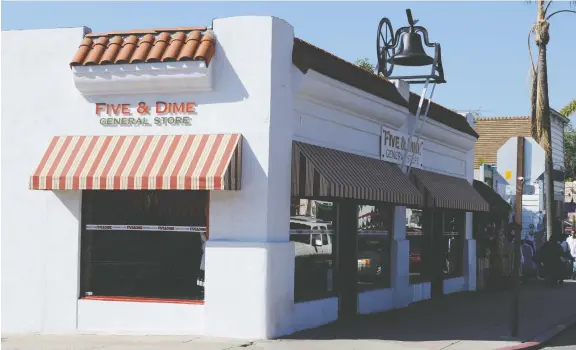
109,197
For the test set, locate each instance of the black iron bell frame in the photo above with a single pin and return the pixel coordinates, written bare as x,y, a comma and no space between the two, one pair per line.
389,49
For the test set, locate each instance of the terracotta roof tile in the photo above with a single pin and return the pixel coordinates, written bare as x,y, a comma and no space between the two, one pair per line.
146,46
494,132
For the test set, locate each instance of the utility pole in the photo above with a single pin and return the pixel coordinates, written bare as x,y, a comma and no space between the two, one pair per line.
515,319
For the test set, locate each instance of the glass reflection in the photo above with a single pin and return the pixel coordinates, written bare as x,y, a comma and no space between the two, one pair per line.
453,225
311,231
419,244
373,246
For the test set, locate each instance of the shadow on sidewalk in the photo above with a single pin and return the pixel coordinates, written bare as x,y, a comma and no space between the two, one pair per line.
477,316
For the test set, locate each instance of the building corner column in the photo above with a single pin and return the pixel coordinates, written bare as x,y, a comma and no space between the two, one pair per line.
249,284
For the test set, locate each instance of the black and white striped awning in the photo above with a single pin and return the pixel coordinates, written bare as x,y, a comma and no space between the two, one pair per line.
324,172
448,192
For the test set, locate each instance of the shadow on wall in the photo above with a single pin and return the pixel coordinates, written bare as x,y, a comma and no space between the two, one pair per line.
72,200
248,200
227,88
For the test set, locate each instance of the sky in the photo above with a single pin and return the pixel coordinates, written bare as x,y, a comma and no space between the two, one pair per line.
484,44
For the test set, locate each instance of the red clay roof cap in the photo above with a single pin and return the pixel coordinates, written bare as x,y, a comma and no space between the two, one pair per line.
146,46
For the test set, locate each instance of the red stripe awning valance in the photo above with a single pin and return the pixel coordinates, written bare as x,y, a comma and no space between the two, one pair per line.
163,162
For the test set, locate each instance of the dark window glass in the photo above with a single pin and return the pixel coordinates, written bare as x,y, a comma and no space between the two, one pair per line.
300,238
454,224
310,230
419,245
162,260
373,246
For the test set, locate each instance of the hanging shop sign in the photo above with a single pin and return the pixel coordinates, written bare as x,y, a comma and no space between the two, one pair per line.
161,114
394,145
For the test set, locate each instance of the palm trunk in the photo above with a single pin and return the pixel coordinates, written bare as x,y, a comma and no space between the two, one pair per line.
543,116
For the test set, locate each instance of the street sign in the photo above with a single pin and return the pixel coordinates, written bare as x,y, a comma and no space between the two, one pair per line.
527,190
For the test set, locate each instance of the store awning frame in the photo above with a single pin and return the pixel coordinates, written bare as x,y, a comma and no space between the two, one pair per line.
448,192
497,204
321,172
139,162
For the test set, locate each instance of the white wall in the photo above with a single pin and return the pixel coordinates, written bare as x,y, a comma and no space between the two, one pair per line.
113,317
250,95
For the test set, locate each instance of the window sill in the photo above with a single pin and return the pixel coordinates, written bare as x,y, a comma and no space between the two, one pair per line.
143,300
452,276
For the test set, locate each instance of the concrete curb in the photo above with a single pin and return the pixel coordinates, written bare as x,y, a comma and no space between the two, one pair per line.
544,337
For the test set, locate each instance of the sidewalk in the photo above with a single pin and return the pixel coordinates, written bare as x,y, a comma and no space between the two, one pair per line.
467,321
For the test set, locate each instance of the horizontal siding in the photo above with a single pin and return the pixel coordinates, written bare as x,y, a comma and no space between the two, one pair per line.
494,132
558,143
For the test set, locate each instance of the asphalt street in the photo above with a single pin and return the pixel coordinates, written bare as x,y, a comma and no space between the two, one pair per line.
566,340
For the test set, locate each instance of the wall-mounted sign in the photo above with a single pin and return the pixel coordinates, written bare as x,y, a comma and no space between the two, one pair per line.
161,113
394,144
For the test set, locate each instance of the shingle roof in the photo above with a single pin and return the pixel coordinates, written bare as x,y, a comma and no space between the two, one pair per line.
307,56
494,132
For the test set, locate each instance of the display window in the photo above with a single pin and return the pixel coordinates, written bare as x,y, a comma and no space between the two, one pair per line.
311,230
373,246
144,245
453,232
420,239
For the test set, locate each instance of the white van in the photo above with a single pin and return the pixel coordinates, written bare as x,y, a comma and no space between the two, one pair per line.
311,237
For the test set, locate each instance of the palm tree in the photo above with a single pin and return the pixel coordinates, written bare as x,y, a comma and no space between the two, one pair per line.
540,104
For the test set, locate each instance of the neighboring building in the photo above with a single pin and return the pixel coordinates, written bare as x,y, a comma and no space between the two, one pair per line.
570,192
569,200
495,131
160,182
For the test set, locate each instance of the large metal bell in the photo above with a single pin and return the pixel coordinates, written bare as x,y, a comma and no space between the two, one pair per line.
411,52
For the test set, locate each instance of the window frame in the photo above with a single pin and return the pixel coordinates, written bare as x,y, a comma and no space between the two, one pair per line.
86,237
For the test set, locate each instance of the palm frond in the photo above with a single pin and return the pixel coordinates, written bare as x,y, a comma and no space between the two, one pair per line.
569,109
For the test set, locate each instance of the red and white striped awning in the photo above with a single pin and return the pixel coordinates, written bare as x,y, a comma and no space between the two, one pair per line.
176,162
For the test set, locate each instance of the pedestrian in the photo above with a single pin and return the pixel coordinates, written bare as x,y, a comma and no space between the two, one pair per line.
571,241
550,258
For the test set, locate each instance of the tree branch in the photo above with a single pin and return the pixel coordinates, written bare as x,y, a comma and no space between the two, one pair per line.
554,13
530,52
547,6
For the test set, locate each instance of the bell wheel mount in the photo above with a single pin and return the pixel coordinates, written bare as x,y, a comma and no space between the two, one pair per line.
385,47
405,48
